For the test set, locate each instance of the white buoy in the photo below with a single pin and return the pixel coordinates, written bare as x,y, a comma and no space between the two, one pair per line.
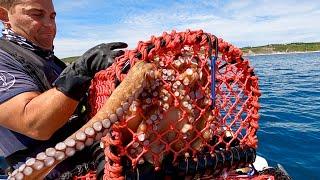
260,163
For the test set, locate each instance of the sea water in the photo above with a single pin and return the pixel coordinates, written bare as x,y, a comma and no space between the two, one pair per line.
289,131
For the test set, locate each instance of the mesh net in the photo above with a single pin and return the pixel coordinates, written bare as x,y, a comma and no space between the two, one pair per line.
177,115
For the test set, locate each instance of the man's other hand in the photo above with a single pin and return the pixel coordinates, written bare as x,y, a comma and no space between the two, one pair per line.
74,81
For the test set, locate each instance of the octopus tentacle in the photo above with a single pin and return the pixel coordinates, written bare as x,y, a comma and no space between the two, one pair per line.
112,111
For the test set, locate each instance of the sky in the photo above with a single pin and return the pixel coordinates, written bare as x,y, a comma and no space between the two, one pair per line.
83,24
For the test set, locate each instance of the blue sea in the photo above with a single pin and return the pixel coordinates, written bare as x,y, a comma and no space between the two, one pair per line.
289,131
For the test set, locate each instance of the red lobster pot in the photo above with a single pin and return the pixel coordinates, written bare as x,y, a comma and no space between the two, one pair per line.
197,117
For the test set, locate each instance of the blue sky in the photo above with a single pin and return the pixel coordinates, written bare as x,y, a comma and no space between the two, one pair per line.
83,23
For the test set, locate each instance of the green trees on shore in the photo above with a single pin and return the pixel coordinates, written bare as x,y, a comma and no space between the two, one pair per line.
282,48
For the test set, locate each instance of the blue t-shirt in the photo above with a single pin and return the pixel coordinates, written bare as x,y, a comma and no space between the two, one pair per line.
15,80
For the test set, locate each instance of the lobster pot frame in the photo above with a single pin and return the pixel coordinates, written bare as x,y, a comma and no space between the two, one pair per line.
199,110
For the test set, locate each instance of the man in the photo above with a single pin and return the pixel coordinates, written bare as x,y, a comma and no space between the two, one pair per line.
38,94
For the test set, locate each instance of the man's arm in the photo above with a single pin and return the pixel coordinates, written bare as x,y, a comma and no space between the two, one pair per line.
40,115
37,115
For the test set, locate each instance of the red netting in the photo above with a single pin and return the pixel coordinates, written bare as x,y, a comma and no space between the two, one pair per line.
175,115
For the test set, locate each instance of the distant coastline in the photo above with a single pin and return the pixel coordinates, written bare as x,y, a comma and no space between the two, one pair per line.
279,53
291,48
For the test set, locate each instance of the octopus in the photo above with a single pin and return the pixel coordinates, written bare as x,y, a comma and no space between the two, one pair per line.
174,106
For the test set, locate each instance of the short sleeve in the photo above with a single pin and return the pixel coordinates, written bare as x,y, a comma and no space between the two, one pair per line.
14,79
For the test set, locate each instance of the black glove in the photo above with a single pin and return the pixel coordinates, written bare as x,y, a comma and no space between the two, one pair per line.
75,79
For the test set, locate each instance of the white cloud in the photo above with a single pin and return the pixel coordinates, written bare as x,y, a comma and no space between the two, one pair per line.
236,5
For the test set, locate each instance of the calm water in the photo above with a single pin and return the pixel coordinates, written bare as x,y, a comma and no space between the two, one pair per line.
289,131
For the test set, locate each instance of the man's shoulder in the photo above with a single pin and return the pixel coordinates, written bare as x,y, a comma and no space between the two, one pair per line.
8,61
4,55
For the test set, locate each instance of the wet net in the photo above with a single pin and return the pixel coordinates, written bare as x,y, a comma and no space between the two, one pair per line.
199,116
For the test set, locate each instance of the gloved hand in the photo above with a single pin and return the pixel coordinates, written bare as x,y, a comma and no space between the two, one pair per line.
75,79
